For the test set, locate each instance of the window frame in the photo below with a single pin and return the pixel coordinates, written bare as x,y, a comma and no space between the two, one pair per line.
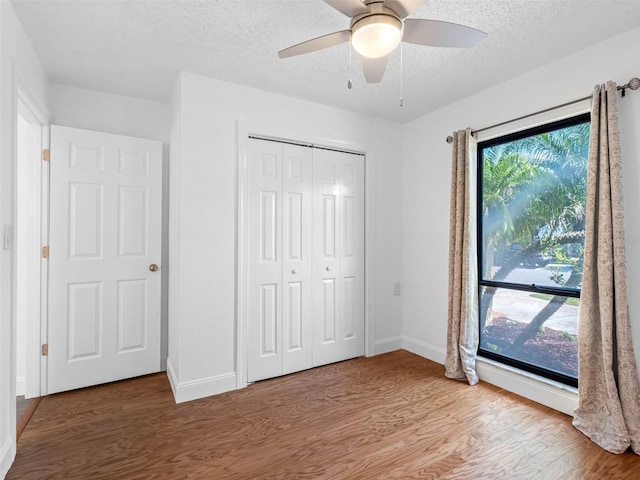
545,127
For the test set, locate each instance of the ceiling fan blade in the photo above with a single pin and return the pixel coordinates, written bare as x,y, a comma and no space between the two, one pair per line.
404,8
350,8
434,33
374,68
326,41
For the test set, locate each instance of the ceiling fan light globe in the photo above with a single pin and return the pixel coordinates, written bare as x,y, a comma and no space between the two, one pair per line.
376,36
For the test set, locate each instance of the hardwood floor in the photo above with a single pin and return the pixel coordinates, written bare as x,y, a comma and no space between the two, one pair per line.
390,416
21,406
24,411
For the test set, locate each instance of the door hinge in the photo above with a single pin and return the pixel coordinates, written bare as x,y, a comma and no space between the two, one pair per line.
45,251
46,155
45,349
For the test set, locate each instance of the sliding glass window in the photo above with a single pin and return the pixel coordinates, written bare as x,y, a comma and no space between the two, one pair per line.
531,212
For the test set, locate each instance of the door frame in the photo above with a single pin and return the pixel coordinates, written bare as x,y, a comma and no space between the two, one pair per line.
35,334
244,130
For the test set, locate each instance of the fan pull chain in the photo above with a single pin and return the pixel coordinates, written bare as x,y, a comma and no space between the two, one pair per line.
350,83
401,78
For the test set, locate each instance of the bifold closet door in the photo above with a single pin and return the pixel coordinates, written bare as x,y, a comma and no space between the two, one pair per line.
338,253
279,265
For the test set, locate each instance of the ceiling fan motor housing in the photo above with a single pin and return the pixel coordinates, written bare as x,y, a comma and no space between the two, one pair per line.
377,33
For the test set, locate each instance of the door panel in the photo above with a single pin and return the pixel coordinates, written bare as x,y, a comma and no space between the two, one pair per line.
349,307
295,226
133,221
269,316
296,269
339,256
84,320
132,315
85,220
279,259
105,231
295,315
350,224
352,255
264,275
329,226
328,310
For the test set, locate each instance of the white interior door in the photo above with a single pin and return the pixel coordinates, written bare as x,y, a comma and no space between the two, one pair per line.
338,244
104,259
279,259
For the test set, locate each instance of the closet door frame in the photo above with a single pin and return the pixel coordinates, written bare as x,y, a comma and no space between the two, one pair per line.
244,131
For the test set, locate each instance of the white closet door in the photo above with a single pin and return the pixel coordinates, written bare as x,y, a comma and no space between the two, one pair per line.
338,244
297,262
264,275
279,259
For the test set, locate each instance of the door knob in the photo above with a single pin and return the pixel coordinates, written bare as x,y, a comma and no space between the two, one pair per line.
153,267
294,271
328,269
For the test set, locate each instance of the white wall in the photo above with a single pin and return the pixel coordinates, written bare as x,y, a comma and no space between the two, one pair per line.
173,362
105,112
202,350
18,64
426,178
134,117
28,200
21,302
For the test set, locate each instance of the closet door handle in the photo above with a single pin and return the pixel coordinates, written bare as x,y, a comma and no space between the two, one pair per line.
328,269
294,271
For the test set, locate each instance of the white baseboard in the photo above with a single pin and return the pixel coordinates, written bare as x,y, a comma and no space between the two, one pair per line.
541,390
424,349
171,375
387,345
7,455
21,386
201,388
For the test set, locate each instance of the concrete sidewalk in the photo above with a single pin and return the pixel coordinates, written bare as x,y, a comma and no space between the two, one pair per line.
522,307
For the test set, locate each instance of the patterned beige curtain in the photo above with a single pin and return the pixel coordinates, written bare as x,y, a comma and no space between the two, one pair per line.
609,405
462,325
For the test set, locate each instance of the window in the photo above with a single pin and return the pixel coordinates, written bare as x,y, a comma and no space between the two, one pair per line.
531,213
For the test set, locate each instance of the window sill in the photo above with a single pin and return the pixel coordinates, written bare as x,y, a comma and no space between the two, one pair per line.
552,394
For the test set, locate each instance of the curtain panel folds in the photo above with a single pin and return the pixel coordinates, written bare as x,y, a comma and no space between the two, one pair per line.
462,323
609,389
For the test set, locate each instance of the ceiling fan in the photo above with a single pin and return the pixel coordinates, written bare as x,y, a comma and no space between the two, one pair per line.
377,28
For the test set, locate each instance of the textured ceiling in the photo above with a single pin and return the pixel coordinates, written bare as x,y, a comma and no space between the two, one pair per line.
137,47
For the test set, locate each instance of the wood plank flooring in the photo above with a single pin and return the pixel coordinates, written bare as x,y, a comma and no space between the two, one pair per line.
394,416
24,410
21,406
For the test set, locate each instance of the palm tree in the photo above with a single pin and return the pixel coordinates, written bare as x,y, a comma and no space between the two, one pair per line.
560,209
506,177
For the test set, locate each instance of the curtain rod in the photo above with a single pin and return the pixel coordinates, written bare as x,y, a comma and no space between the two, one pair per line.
633,84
